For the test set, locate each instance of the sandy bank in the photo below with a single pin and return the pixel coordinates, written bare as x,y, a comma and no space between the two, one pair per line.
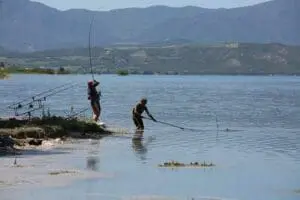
44,166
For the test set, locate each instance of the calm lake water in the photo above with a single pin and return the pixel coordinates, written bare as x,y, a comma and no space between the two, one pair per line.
257,159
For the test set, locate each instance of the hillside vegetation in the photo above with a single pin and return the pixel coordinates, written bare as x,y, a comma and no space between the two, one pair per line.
234,58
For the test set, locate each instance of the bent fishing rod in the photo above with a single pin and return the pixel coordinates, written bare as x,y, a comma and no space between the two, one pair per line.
90,51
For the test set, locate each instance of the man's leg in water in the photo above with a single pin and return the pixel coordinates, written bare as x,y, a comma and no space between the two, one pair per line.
138,123
141,124
135,122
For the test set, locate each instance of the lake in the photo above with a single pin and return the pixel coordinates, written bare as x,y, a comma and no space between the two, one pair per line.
248,126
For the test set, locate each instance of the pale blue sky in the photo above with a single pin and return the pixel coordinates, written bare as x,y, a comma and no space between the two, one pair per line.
113,4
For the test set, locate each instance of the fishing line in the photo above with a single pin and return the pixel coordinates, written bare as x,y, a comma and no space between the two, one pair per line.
1,9
90,51
217,124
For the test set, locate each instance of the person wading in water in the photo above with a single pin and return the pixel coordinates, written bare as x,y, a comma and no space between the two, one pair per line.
137,112
94,97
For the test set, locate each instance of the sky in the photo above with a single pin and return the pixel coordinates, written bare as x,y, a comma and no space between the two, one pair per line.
115,4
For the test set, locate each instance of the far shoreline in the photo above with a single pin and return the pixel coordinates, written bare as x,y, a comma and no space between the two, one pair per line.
204,74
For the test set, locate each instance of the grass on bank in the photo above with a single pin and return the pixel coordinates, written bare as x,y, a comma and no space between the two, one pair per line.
3,74
24,70
50,127
122,72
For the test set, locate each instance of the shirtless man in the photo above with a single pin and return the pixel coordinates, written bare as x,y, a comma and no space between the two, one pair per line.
137,112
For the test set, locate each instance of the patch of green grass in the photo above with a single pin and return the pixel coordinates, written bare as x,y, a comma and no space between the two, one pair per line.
192,164
122,72
22,70
297,191
49,127
61,172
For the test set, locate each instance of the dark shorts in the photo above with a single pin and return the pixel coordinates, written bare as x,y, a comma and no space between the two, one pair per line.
138,121
96,107
95,103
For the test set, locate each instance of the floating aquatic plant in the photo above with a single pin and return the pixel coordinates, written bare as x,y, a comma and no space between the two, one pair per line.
179,164
297,191
62,172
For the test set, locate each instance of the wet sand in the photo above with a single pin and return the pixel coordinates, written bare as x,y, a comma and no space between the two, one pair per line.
43,166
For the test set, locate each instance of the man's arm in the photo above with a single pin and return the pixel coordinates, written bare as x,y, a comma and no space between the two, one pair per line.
89,93
96,83
148,113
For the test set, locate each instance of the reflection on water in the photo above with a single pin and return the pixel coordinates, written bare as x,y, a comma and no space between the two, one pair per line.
137,144
140,144
254,141
92,160
139,148
93,163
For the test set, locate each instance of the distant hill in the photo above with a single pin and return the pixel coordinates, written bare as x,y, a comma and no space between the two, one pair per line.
30,26
5,52
2,50
231,58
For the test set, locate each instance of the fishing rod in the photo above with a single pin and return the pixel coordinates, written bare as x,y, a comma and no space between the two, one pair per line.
1,9
31,105
34,97
180,127
44,98
90,50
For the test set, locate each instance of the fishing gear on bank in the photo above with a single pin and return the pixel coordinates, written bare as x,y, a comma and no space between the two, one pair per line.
35,102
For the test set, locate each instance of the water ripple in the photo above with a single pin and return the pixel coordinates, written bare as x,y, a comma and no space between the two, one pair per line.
248,126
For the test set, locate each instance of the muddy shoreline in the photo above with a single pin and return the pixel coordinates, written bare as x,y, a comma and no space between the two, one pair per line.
15,134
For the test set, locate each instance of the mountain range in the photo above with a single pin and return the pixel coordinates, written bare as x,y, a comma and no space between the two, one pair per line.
32,26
